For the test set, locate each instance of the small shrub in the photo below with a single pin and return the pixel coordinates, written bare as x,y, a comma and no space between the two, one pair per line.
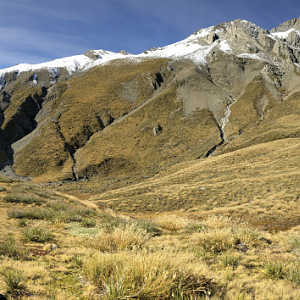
23,198
13,280
56,211
294,275
149,226
273,270
88,223
229,260
36,234
17,214
22,223
5,179
9,247
2,188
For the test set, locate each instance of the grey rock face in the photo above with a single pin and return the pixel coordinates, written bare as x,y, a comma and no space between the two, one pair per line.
124,52
294,39
266,41
4,100
9,77
91,54
285,52
286,25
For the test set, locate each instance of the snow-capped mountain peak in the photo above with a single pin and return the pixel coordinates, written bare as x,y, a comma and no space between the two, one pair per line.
239,37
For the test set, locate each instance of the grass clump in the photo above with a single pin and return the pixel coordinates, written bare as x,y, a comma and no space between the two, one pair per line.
192,227
247,235
294,275
121,238
17,214
13,280
143,276
109,222
36,234
149,226
78,260
171,222
215,241
242,296
230,260
22,223
9,247
219,222
5,179
273,270
294,240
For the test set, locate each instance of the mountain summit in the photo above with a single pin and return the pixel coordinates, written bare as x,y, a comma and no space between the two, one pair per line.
102,113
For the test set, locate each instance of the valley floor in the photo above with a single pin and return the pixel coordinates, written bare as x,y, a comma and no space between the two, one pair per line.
56,246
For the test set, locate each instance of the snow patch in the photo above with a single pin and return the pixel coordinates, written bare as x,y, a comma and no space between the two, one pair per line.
200,33
223,45
250,55
259,56
284,34
72,64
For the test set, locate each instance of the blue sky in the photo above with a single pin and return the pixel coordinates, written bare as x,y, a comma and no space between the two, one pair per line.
34,31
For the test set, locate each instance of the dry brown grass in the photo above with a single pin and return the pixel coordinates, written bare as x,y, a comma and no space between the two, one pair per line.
259,184
125,259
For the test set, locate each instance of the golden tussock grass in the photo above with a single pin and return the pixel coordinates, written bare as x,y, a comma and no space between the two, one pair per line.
146,275
171,222
126,237
176,256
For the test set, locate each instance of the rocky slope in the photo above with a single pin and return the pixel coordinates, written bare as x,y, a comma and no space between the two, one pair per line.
101,113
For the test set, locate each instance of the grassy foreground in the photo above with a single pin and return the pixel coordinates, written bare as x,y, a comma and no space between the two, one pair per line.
58,247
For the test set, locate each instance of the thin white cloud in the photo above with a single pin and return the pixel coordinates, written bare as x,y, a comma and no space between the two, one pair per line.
23,45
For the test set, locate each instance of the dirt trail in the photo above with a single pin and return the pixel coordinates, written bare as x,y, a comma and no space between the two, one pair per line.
88,204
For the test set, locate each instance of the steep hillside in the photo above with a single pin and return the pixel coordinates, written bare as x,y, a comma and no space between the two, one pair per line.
223,88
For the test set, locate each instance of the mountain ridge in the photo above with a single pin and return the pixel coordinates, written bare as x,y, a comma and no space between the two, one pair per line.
83,61
205,93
